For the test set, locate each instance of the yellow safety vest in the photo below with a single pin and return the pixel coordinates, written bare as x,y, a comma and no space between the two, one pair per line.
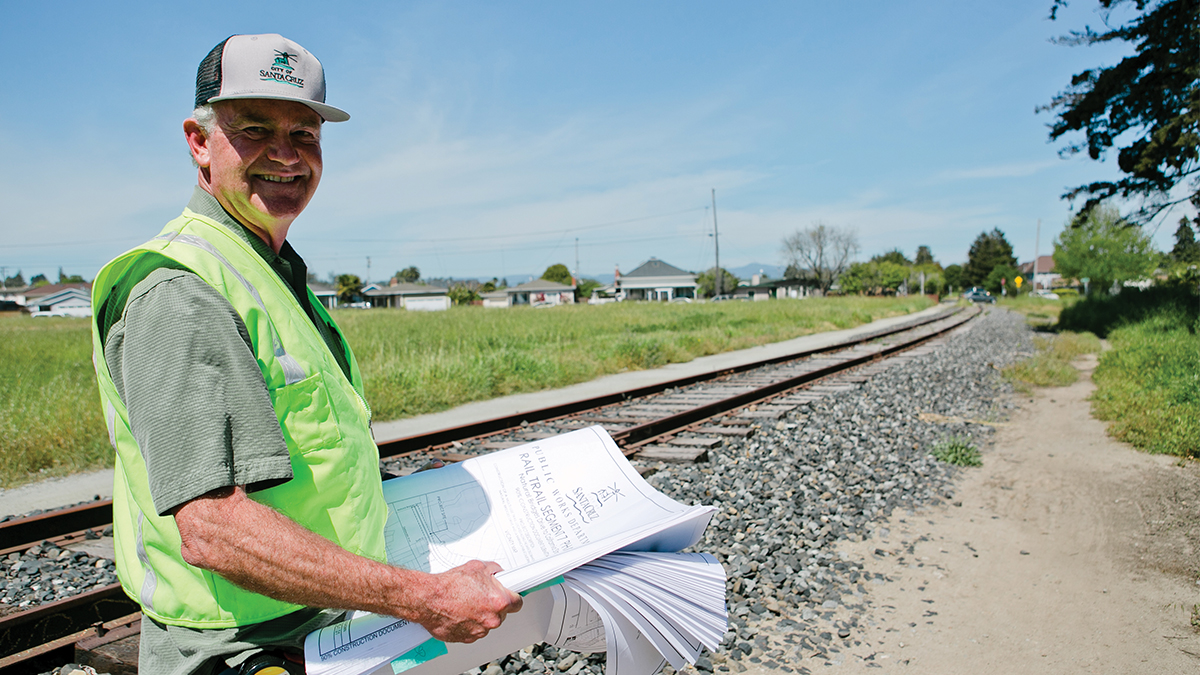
335,490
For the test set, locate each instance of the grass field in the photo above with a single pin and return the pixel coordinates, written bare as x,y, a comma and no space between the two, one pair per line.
50,422
1051,365
1038,312
413,363
1148,384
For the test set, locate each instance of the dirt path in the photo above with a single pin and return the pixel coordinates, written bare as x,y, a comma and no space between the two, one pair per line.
1066,552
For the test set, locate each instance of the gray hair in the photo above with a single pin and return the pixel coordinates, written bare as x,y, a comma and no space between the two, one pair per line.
206,117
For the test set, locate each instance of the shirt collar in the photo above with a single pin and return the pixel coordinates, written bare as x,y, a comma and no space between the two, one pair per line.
204,204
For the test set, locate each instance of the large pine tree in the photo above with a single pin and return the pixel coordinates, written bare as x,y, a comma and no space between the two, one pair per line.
1186,249
989,250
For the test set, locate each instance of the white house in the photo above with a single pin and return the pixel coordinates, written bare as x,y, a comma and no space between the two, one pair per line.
655,280
413,297
1046,276
66,302
536,293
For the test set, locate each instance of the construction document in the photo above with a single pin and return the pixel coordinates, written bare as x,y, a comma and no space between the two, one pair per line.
539,510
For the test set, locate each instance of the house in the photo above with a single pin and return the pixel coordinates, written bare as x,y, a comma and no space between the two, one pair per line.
326,294
413,297
756,292
655,280
535,293
795,288
1046,276
14,296
69,300
495,299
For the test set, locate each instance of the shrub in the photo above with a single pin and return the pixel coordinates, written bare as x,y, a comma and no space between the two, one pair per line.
957,450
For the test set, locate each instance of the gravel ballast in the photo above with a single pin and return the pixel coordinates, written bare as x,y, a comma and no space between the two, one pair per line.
831,470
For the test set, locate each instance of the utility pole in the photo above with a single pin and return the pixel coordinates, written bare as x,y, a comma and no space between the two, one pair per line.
576,274
368,279
717,243
1037,243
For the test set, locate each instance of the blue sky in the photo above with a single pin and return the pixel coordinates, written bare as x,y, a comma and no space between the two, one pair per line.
486,138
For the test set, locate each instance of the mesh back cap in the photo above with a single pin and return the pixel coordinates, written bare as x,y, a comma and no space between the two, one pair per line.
264,66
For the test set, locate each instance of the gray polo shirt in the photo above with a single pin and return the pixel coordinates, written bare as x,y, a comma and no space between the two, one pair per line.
181,359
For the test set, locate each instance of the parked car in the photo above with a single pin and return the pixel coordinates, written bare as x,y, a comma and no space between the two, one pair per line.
979,295
1049,295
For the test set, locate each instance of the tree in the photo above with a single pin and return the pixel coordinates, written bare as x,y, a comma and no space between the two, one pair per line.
68,278
989,250
559,273
878,277
462,294
894,256
349,287
1149,102
708,282
488,286
586,286
824,251
1104,248
1008,287
15,281
924,256
1186,250
954,276
409,274
39,280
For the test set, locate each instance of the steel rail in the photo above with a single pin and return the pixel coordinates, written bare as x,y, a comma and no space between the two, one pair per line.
419,442
32,635
667,424
22,533
44,624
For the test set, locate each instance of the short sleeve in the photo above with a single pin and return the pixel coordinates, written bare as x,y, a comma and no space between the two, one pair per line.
182,362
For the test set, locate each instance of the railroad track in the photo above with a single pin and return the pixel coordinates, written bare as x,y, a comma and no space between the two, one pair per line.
675,421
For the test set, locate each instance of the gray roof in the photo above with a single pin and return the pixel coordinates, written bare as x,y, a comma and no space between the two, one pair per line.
540,285
405,288
657,268
319,288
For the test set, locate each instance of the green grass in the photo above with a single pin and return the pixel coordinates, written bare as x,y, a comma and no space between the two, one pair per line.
957,450
413,363
50,422
1148,386
1051,365
1038,311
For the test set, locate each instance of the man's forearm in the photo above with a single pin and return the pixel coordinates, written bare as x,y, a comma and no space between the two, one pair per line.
262,550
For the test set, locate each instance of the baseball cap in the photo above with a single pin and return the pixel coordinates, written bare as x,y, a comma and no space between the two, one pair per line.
264,66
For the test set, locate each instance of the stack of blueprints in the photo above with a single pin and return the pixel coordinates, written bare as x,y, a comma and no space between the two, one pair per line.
551,513
656,608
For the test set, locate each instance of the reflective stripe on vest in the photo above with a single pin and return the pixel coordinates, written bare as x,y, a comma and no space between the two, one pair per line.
335,490
292,369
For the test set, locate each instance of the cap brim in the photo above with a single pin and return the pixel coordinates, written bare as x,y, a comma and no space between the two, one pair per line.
327,112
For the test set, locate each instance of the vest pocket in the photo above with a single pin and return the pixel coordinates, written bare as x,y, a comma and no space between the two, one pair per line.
306,416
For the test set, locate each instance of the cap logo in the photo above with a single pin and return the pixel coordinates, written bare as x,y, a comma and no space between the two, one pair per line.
281,70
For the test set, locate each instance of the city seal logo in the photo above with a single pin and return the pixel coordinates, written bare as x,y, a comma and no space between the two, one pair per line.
281,70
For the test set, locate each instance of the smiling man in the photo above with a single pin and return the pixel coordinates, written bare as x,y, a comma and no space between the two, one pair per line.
247,504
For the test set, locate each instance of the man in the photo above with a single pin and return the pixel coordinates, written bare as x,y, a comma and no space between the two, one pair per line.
247,493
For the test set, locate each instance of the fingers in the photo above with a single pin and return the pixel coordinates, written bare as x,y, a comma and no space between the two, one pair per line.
470,603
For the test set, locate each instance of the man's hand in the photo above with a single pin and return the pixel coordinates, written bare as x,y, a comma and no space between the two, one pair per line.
261,550
466,602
